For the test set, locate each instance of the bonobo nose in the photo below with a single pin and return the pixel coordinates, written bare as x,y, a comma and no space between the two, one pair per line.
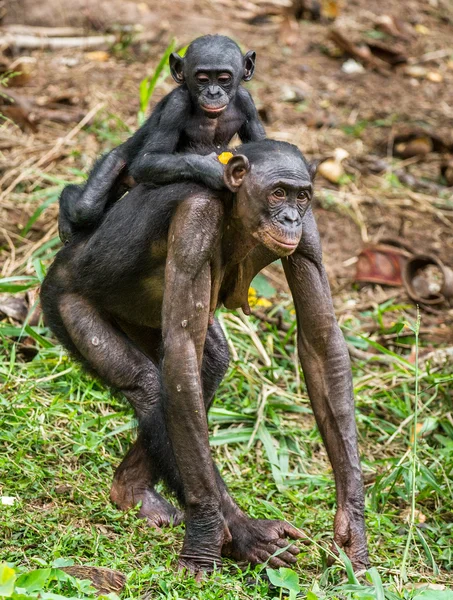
289,218
213,90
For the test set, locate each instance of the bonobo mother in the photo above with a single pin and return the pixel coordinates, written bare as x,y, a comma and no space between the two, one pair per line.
134,302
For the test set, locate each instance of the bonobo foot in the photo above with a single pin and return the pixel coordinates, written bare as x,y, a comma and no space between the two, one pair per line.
157,511
206,533
256,540
349,534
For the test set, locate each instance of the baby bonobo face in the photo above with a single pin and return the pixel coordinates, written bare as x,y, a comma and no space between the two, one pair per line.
212,69
275,191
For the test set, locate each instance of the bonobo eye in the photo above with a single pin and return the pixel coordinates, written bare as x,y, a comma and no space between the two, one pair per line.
279,193
224,78
202,78
303,196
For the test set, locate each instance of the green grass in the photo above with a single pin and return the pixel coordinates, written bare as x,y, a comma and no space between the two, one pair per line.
62,434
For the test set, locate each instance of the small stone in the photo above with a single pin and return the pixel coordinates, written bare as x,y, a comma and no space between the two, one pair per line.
184,323
95,340
352,67
435,77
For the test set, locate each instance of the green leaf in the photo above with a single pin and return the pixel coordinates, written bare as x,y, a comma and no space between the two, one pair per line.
263,287
435,595
7,580
348,566
12,285
373,576
34,580
284,578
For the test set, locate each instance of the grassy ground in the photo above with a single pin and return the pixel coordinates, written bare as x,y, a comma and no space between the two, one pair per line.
62,434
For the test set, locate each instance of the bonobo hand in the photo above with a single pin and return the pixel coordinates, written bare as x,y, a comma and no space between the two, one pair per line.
212,174
256,540
349,534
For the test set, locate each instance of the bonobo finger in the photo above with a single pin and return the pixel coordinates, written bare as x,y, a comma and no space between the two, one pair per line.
275,562
293,532
286,556
291,548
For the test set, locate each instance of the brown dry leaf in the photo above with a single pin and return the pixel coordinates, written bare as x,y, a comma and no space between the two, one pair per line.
330,9
418,515
103,579
97,56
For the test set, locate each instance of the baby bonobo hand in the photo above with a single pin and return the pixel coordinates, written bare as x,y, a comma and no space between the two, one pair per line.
213,174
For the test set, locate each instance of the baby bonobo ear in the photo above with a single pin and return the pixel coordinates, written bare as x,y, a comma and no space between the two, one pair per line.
235,171
312,168
249,65
176,67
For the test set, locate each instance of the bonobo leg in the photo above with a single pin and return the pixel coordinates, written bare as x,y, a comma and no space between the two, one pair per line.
121,364
134,483
82,206
136,476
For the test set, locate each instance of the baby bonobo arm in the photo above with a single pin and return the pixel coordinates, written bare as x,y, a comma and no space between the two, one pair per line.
252,130
159,164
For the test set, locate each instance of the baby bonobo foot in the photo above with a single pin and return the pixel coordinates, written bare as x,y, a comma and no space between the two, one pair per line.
256,540
154,508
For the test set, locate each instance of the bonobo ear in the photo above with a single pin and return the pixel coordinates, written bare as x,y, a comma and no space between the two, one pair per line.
249,65
312,168
176,67
235,171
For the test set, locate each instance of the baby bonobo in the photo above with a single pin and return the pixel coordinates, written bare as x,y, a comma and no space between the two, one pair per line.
179,140
132,299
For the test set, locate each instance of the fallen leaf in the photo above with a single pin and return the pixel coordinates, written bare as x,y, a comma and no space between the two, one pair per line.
97,56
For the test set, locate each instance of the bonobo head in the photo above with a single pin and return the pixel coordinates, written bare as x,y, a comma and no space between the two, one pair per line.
212,68
273,186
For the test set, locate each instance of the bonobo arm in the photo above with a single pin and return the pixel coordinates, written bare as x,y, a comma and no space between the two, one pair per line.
325,362
193,235
157,162
252,130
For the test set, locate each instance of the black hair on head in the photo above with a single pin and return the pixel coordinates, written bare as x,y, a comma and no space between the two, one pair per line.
220,41
256,152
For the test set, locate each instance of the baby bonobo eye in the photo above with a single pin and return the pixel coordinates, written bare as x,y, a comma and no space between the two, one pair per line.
279,193
303,195
224,78
202,78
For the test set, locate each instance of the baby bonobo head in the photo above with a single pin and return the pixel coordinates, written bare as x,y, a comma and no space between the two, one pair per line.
273,186
212,69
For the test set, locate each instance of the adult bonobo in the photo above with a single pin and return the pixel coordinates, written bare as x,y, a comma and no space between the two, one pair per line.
178,140
146,281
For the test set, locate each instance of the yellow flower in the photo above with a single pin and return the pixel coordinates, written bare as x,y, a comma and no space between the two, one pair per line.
225,157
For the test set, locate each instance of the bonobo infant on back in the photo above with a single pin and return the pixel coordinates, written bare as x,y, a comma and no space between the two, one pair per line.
179,139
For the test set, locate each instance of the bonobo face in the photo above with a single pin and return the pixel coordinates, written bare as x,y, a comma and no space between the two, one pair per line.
273,193
212,69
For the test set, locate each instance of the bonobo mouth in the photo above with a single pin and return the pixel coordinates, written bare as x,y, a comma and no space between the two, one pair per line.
213,110
283,243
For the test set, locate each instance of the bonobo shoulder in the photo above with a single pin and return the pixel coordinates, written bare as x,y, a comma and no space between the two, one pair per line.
195,230
173,106
245,100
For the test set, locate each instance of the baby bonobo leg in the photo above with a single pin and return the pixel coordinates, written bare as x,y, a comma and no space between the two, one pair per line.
121,364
